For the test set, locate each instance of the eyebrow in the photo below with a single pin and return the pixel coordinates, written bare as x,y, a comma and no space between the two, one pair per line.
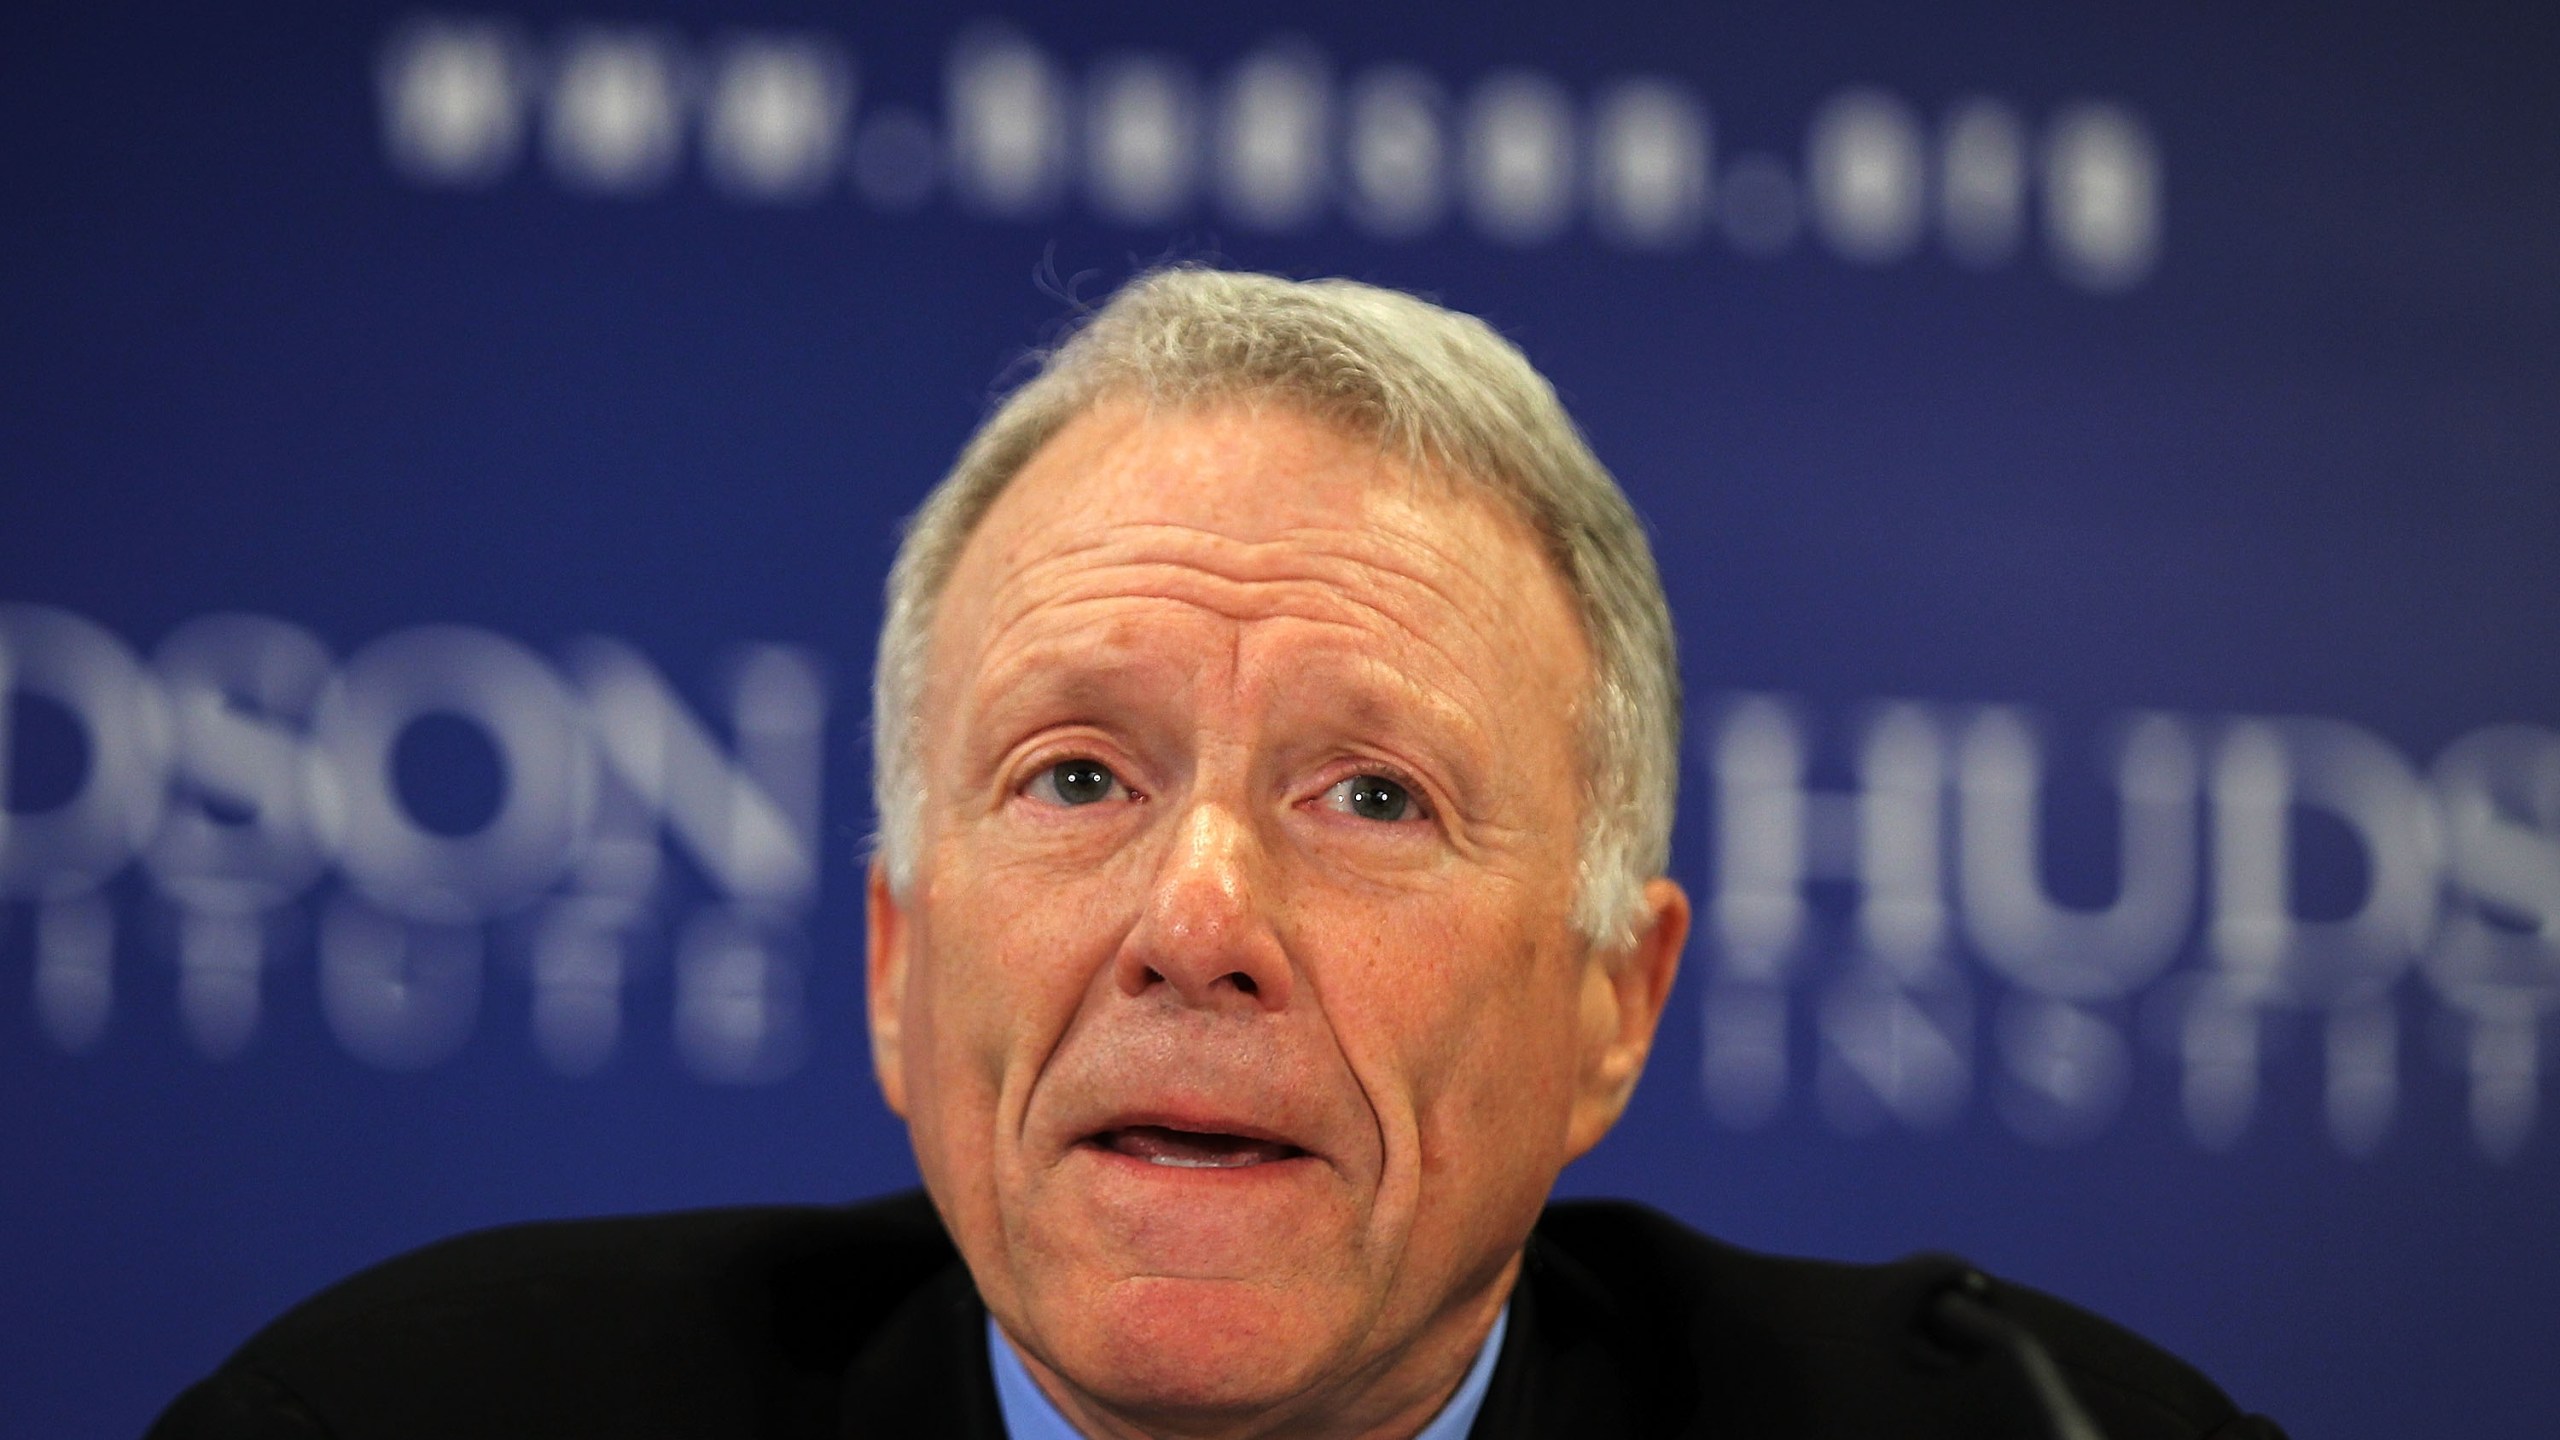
1362,699
1452,746
1061,677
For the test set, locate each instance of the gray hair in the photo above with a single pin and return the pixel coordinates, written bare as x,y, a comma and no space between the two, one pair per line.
1441,388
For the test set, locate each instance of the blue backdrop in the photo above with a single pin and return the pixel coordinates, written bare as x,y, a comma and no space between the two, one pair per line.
2101,460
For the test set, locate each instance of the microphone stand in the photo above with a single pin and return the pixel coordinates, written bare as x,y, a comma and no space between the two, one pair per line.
1959,1315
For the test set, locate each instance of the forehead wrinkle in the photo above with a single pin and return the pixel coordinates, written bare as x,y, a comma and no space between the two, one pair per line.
1300,553
1336,553
1089,660
1305,572
1441,574
1072,635
1080,672
1451,690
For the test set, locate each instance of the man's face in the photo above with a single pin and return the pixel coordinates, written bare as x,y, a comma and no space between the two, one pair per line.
1235,1010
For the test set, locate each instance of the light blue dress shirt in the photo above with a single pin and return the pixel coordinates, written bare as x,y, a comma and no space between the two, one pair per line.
1028,1415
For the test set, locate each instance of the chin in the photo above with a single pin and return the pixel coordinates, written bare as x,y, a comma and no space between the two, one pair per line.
1180,1347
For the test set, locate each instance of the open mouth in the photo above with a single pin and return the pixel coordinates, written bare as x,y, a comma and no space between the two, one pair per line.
1193,1149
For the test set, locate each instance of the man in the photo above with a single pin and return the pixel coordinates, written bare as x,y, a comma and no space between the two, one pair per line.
1276,734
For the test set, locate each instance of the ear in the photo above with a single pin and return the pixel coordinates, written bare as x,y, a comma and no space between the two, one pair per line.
1623,992
887,937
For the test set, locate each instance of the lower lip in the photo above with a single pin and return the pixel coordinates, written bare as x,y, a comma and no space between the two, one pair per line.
1133,1217
1290,1167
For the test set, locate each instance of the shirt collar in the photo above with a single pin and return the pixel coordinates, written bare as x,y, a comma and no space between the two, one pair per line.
1028,1414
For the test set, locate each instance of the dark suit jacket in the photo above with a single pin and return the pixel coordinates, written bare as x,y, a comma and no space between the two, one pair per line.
806,1322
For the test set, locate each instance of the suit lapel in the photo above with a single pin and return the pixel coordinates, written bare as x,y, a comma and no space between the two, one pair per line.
924,1371
1575,1363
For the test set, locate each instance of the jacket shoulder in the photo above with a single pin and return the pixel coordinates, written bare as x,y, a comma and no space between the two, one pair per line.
662,1324
1817,1347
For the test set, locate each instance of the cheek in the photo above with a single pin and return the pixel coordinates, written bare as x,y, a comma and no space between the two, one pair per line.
1009,959
983,1009
1463,1031
1510,1087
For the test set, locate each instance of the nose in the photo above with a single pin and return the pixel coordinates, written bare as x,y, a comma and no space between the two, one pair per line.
1204,938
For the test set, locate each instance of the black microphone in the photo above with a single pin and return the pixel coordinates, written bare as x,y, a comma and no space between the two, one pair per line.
1959,1314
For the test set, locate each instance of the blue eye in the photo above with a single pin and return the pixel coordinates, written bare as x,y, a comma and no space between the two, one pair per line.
1078,782
1373,797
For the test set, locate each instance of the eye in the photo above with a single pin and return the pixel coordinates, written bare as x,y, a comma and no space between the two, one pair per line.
1076,782
1373,797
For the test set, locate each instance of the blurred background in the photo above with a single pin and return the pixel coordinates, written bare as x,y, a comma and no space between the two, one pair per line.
2102,458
